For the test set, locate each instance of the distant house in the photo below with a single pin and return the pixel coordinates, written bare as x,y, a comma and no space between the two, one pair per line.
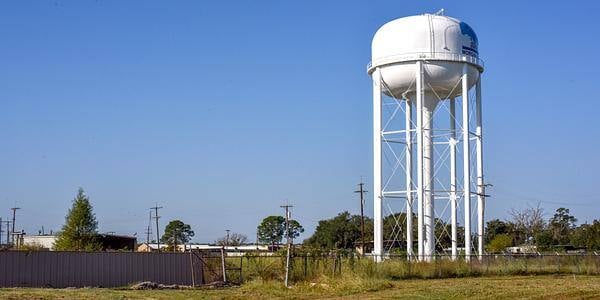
523,249
231,250
150,247
108,242
43,242
111,242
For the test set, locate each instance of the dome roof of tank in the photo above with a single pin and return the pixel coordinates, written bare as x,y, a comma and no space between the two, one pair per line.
432,37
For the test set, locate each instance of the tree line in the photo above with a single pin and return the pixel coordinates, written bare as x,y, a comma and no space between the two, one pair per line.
524,227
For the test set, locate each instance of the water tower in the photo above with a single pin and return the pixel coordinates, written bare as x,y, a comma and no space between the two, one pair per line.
421,67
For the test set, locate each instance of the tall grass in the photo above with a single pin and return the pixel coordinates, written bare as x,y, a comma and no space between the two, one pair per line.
363,271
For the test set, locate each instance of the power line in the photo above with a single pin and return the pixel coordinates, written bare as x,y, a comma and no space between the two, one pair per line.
156,217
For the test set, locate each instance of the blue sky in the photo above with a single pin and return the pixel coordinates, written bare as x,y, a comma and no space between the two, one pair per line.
222,111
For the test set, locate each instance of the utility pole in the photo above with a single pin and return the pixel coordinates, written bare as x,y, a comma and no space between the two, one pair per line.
227,238
287,222
7,232
362,192
14,209
1,231
149,229
156,216
288,241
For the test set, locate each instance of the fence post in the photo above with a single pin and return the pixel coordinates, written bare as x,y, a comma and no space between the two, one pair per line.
192,269
287,265
470,262
241,267
304,259
334,265
223,264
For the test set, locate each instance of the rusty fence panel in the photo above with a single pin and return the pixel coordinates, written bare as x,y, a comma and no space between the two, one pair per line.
97,269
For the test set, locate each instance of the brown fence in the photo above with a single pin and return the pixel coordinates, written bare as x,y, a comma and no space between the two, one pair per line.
97,269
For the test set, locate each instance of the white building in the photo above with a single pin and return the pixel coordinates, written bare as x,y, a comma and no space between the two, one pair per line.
39,241
231,250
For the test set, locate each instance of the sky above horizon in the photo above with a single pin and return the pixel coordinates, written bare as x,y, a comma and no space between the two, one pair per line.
222,111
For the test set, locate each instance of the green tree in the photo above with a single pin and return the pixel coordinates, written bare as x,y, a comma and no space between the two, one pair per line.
394,226
495,227
561,226
295,229
499,243
544,240
271,230
394,229
80,230
587,236
339,232
177,233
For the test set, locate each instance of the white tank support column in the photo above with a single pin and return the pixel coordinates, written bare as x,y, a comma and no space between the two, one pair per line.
419,130
480,182
428,172
409,181
377,191
466,160
453,186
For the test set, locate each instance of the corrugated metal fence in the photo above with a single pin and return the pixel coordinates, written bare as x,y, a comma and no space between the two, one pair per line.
97,269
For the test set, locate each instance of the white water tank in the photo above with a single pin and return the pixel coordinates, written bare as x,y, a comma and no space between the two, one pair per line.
444,43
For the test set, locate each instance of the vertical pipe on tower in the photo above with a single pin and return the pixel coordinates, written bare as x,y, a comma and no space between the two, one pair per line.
377,189
428,174
419,129
452,145
466,161
409,181
480,184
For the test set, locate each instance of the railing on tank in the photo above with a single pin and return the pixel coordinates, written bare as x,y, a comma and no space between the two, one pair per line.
426,56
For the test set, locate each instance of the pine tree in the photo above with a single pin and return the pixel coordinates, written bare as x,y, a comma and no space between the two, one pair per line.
79,232
177,233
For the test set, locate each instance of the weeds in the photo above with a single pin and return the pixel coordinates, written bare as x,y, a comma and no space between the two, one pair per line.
356,273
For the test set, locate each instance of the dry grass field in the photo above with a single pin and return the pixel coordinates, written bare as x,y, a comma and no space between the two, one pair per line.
497,287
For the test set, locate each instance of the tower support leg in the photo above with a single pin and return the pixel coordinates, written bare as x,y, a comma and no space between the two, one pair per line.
428,174
453,186
377,188
480,182
466,161
419,130
409,181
